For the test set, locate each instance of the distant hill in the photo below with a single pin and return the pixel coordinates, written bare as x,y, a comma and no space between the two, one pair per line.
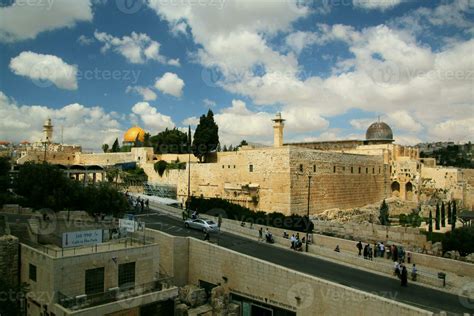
449,154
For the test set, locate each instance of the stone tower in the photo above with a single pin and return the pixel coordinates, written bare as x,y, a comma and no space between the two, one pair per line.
48,131
278,130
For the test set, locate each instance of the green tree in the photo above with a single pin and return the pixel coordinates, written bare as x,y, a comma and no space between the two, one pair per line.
170,141
383,216
116,146
105,147
206,136
224,149
443,215
160,167
4,173
437,218
449,213
430,224
147,141
461,239
453,215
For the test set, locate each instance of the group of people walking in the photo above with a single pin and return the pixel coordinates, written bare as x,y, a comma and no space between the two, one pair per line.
396,253
138,204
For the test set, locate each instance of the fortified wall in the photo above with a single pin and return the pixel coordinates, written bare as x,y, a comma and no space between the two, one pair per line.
275,179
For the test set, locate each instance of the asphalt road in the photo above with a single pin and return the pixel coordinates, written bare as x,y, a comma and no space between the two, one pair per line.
387,287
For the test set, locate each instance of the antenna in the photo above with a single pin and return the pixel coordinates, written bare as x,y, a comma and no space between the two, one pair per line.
62,135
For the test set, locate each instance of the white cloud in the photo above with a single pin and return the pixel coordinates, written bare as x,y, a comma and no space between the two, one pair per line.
454,130
171,84
209,103
381,5
85,40
137,48
153,121
86,126
389,71
21,20
146,93
298,40
230,120
39,68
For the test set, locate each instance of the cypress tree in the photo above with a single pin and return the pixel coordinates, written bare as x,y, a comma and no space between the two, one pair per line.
383,217
437,217
453,215
116,146
430,223
443,215
449,213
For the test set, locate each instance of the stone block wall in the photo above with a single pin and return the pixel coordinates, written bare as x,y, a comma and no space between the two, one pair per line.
285,288
337,180
9,252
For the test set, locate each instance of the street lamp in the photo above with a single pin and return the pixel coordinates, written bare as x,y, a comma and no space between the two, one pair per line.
307,214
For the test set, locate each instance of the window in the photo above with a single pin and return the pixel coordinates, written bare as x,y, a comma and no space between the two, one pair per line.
94,281
359,169
379,170
334,169
314,168
222,166
126,275
251,168
343,168
373,170
352,169
32,272
366,170
301,168
228,166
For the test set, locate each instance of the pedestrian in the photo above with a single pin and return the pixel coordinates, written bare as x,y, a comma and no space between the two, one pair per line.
147,204
414,272
396,269
260,234
359,246
292,241
376,249
408,257
366,251
404,276
206,236
382,249
337,249
370,252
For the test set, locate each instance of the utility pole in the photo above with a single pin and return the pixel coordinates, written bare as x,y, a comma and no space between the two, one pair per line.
307,213
189,168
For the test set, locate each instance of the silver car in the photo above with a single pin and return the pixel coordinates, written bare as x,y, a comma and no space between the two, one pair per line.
202,224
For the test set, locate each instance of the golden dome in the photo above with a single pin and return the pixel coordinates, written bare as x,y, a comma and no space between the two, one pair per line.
131,135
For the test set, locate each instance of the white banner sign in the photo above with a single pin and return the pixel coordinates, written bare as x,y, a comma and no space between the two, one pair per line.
82,238
128,225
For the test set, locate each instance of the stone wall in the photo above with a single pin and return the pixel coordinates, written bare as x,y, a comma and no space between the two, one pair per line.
103,158
410,237
285,288
270,179
338,180
9,252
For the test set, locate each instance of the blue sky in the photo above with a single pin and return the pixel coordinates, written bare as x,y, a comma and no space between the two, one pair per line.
330,66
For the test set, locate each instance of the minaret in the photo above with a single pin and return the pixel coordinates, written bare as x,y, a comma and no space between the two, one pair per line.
47,131
278,131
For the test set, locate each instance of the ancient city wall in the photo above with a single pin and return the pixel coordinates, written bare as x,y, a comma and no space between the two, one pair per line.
103,158
258,179
9,256
338,180
285,288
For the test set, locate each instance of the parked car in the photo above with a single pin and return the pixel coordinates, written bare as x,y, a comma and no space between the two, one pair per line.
201,224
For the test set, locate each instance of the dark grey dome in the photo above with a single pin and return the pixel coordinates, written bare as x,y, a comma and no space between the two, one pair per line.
379,131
